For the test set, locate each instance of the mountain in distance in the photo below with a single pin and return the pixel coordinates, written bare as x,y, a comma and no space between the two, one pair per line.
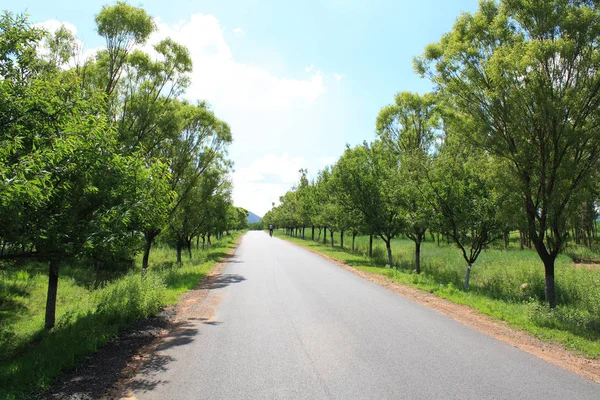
252,218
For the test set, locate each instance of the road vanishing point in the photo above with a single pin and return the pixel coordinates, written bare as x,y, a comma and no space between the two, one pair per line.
288,324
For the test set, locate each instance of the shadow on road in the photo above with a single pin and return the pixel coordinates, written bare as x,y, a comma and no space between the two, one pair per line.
181,334
219,281
146,379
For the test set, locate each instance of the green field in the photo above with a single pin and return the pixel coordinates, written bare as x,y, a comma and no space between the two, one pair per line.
90,311
497,284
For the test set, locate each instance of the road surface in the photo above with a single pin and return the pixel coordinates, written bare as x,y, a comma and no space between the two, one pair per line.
290,325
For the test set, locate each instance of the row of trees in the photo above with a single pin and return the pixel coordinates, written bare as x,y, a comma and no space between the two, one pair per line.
99,158
509,140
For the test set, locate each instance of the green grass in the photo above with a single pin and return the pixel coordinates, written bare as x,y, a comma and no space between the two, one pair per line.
89,313
495,286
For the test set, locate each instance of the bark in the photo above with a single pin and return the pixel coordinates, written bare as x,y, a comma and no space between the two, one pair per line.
550,290
179,248
149,240
506,240
467,276
324,235
203,242
418,256
52,291
353,237
313,233
342,239
389,252
331,235
189,248
371,246
208,240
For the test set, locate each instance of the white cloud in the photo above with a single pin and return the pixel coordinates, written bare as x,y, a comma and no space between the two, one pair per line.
260,106
310,68
270,166
218,77
338,77
261,183
239,32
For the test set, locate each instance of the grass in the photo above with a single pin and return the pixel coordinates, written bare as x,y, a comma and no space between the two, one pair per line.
505,284
89,314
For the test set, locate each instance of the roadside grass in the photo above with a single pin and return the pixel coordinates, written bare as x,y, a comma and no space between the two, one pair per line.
88,313
505,284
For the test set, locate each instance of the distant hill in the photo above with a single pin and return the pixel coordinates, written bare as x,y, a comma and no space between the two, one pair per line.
252,218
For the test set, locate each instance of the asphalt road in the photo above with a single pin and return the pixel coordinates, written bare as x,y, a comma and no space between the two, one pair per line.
291,325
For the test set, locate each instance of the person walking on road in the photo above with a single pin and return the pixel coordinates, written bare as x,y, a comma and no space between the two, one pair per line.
271,230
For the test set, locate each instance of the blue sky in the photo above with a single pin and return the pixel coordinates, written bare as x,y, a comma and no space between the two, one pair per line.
296,80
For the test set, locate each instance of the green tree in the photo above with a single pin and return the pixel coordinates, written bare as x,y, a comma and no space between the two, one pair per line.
369,177
407,128
525,72
60,158
123,27
460,180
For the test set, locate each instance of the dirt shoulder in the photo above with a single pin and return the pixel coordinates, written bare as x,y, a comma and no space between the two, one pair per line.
550,352
106,374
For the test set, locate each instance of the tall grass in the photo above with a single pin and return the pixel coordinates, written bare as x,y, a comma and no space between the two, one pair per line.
505,284
89,313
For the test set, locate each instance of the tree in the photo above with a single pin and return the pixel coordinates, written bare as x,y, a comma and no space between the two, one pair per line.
123,27
60,159
407,129
526,73
460,181
368,175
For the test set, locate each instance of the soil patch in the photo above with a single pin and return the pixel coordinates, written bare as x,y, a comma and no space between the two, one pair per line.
551,352
106,374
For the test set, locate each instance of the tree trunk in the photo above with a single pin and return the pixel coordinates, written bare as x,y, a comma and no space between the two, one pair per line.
371,246
418,256
52,291
331,235
203,242
342,239
550,292
179,248
189,247
389,252
325,236
149,239
313,233
353,236
506,240
208,240
467,276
